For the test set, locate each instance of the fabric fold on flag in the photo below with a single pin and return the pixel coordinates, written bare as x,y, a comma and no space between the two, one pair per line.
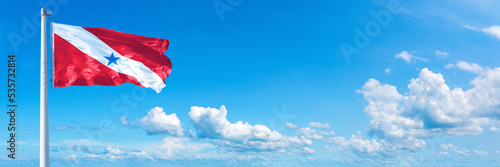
86,56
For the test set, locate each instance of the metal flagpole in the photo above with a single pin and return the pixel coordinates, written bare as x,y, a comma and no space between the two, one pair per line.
44,120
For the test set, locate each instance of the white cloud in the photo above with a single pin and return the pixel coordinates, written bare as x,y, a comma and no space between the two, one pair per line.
448,146
63,127
357,145
130,124
157,122
409,57
361,147
457,150
214,137
405,56
180,147
141,155
319,125
441,54
325,133
430,107
291,126
493,30
481,153
387,70
110,153
313,134
471,27
402,122
305,150
172,145
494,129
475,68
213,125
443,154
92,155
114,151
124,120
72,158
113,154
308,150
449,65
76,148
192,134
170,148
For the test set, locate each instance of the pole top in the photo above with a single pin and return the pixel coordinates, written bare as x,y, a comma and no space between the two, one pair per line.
45,12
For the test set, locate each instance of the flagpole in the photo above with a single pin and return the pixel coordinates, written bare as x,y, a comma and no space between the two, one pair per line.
44,120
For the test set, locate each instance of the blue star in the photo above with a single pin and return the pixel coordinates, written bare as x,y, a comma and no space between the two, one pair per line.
112,59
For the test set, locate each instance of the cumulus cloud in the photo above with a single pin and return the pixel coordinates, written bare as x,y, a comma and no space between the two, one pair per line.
472,67
63,127
127,122
291,126
481,153
313,134
172,145
357,145
124,120
431,107
305,151
308,150
114,151
387,70
448,146
441,54
157,122
319,125
443,154
493,30
406,56
170,148
457,150
114,154
72,158
213,135
108,153
449,65
494,129
212,124
180,147
74,148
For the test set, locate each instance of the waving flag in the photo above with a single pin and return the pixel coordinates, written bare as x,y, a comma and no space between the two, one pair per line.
96,56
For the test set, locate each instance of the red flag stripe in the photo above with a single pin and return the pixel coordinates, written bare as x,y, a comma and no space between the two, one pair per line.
73,67
147,50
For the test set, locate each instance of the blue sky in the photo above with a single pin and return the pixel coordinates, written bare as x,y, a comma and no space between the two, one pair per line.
422,90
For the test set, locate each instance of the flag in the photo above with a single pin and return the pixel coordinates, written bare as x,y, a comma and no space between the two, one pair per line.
86,56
